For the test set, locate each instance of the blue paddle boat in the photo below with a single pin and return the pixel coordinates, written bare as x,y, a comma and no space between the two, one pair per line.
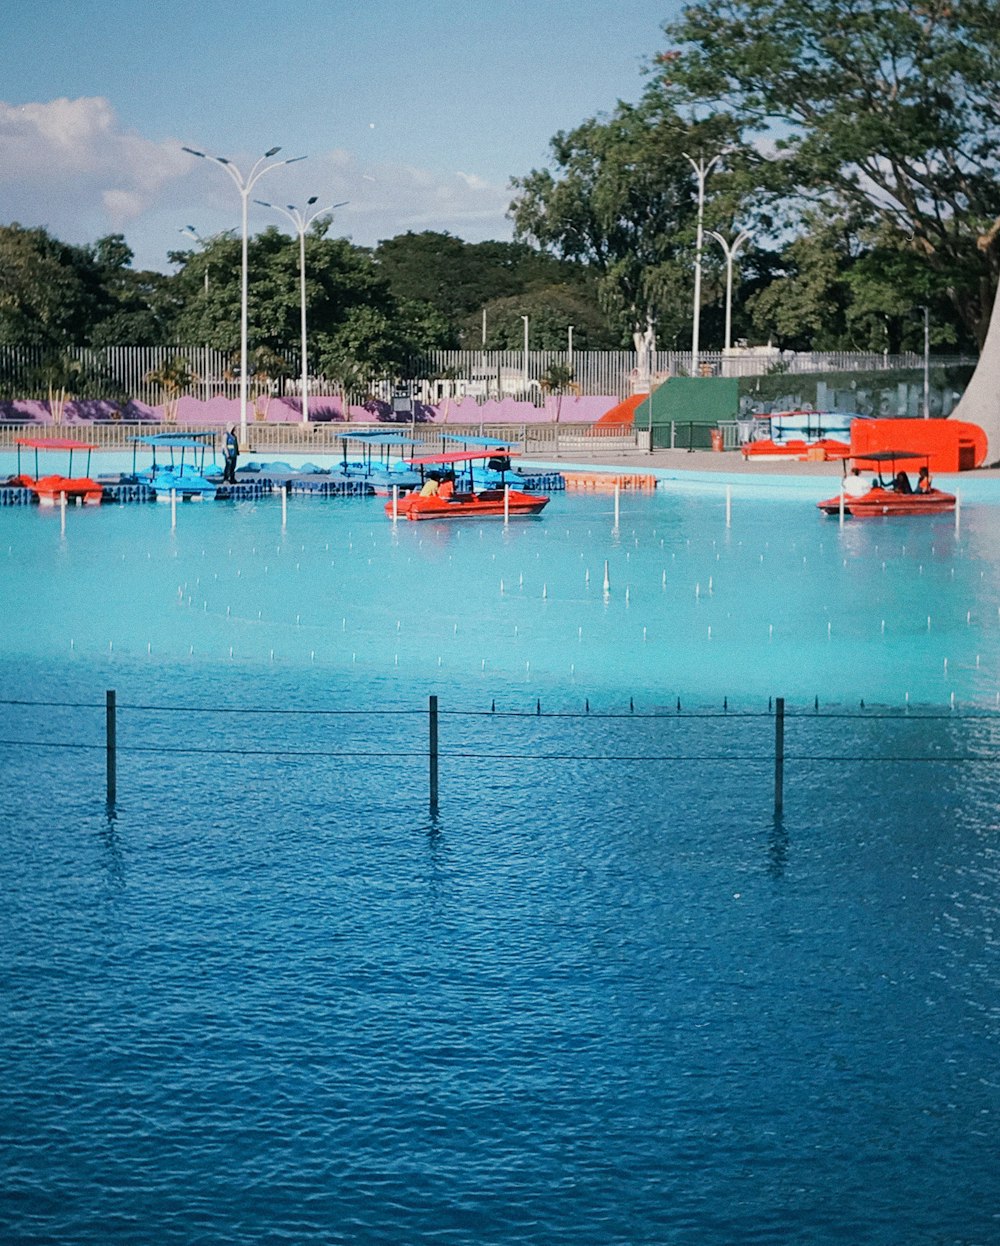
381,463
495,469
178,466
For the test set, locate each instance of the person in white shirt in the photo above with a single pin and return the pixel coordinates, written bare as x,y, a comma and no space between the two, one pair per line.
854,486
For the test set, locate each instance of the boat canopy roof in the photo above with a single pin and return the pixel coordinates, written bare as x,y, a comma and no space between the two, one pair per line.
378,438
55,443
497,442
182,440
456,456
887,456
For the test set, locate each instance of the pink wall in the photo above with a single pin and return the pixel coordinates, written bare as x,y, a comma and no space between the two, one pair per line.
226,411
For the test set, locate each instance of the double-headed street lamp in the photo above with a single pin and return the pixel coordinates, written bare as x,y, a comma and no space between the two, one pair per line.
702,171
244,185
729,250
301,221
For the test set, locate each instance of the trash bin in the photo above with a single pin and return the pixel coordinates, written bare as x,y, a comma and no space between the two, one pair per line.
716,438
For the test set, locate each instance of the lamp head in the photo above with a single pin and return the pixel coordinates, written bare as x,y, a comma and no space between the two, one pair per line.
273,151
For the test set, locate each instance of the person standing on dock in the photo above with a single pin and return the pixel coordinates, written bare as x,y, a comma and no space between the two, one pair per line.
232,454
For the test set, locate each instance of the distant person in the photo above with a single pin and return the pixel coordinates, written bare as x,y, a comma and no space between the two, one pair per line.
901,483
447,489
854,486
924,480
232,454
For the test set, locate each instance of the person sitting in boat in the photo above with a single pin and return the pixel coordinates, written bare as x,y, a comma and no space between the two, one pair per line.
924,480
901,483
447,489
854,486
430,487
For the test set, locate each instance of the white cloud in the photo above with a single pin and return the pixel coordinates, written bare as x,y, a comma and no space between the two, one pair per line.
72,167
81,139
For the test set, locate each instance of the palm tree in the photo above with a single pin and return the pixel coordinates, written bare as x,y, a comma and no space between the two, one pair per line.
450,375
173,378
557,379
348,377
61,376
266,366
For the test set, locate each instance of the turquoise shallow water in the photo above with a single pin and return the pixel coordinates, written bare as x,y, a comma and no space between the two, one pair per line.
782,602
601,996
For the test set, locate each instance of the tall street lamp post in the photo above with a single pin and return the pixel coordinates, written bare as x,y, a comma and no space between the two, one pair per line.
702,171
301,221
927,363
525,319
244,185
569,351
729,250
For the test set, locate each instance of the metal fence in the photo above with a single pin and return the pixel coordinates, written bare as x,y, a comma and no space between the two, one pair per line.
123,373
536,440
832,742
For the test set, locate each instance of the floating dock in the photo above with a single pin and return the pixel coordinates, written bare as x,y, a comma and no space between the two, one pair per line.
607,481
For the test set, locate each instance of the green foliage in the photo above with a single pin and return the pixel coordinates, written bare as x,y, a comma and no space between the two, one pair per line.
886,113
623,201
173,378
445,282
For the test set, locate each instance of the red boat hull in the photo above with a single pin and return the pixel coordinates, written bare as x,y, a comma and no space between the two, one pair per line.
468,505
878,502
48,489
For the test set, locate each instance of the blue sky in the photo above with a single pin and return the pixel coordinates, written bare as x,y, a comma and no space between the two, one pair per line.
417,113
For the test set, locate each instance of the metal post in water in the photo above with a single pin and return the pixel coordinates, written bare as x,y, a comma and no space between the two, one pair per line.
111,746
284,506
173,508
395,503
841,507
506,504
433,752
779,755
62,513
729,506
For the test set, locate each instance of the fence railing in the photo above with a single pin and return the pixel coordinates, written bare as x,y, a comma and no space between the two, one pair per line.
126,373
498,749
537,440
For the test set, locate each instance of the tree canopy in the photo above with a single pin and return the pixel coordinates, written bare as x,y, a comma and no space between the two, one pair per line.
882,112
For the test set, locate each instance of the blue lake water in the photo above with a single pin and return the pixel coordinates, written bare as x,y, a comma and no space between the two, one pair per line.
604,995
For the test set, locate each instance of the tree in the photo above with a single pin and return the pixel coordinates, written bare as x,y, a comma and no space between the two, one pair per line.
173,379
453,281
44,299
551,310
132,308
557,378
342,285
624,202
886,112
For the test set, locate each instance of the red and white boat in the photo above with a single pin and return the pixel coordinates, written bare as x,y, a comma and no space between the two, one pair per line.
888,496
49,488
442,501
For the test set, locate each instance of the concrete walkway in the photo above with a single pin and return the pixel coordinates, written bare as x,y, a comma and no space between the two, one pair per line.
725,463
